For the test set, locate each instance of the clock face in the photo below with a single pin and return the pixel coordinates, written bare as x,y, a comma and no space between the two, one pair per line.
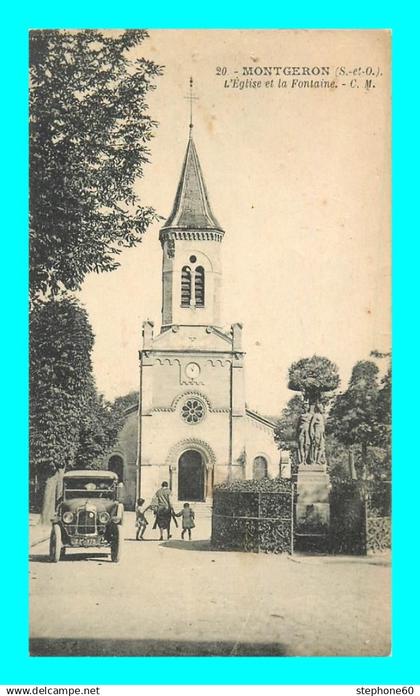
192,370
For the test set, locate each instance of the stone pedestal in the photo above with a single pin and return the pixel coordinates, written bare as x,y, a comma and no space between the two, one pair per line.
312,504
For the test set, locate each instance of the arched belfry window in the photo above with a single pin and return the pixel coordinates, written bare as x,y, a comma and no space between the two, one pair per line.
185,286
199,286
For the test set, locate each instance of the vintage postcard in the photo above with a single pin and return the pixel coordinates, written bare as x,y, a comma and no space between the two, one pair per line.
210,343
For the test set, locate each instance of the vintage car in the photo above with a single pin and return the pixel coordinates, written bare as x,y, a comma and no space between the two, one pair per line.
89,514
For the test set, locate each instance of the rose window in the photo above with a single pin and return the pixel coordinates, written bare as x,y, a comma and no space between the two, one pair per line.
192,411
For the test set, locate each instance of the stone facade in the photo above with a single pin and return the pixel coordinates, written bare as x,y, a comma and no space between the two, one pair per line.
191,426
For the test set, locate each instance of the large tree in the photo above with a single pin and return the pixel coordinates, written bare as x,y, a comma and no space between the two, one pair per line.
71,425
89,134
60,390
353,418
100,427
97,432
313,377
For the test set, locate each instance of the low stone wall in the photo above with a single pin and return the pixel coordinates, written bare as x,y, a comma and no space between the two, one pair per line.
253,516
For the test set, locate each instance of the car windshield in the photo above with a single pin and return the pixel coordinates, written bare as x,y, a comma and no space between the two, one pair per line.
87,488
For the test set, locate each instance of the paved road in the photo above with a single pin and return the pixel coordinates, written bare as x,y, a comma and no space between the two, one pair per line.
182,598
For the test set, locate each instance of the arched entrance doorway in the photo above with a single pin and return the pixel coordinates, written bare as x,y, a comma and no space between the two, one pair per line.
259,468
191,477
116,464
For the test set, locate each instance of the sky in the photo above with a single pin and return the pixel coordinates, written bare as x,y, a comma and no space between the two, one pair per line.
298,179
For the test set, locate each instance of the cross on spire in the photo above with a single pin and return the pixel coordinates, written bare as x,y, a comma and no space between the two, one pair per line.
191,97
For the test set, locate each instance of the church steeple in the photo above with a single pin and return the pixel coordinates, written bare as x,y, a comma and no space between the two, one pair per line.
191,209
190,239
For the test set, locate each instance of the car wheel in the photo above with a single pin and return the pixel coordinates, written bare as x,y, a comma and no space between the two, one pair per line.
116,544
56,543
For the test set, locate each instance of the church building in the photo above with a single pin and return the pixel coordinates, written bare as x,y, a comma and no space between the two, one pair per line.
192,426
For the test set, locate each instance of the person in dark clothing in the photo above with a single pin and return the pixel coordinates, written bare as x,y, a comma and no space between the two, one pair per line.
164,510
188,517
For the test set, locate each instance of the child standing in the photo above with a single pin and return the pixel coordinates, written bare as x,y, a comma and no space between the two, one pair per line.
187,520
141,522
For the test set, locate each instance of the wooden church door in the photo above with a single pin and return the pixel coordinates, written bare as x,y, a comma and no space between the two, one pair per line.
191,477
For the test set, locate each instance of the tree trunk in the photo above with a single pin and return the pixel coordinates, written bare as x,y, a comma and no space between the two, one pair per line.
52,490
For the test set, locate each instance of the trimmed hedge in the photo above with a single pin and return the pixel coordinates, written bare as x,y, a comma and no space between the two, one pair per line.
360,517
253,516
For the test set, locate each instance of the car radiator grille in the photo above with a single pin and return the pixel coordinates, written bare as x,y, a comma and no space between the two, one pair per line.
86,522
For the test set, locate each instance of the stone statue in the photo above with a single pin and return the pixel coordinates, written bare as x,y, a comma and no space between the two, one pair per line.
317,437
303,435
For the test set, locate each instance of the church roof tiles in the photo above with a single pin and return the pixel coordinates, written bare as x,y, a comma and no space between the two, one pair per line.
191,208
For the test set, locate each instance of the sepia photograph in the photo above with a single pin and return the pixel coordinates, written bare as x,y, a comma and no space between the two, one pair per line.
210,342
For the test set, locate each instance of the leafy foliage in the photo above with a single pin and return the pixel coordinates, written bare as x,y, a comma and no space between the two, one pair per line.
312,376
116,413
358,423
71,426
361,419
337,455
96,432
285,431
122,403
253,515
61,341
266,485
100,426
384,408
89,136
360,516
88,144
353,416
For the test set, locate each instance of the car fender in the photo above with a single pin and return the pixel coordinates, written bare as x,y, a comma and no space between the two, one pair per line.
118,517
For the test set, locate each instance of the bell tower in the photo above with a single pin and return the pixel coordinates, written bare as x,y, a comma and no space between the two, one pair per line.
191,245
192,427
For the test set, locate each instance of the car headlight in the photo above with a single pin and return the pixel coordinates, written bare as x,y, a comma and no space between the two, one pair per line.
103,517
68,517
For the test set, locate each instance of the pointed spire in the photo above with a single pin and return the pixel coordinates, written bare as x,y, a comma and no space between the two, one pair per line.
191,208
